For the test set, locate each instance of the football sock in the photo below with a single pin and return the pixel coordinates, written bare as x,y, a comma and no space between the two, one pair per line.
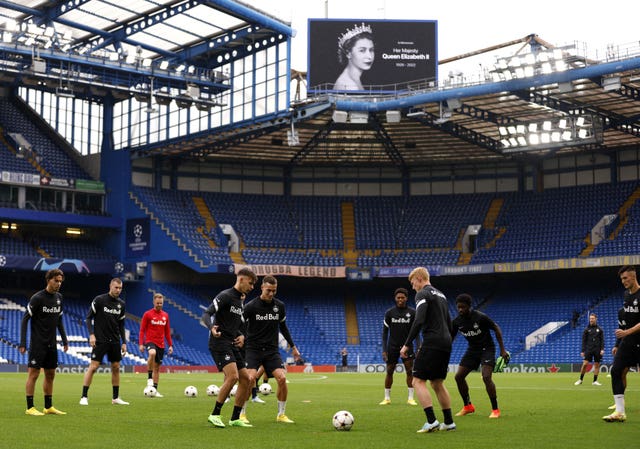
494,403
236,412
116,391
29,402
431,416
254,392
448,419
85,391
595,378
466,399
47,401
150,374
387,393
155,385
410,393
217,408
581,376
282,405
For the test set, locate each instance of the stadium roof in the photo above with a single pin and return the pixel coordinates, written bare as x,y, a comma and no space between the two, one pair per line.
121,44
453,121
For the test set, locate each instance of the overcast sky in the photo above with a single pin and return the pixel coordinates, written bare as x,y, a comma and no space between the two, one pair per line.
467,25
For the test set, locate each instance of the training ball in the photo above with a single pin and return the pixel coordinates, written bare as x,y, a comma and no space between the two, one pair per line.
234,390
343,420
191,391
150,392
213,390
265,389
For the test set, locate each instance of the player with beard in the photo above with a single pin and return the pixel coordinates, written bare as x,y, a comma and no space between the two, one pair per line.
45,312
224,318
476,328
265,317
628,353
592,349
154,330
105,323
396,326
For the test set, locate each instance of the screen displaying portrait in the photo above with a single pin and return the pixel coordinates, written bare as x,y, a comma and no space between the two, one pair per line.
370,55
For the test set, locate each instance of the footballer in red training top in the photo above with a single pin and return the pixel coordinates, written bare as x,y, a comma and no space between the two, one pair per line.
154,329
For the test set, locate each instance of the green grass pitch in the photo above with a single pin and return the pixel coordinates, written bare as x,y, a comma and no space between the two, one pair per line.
538,411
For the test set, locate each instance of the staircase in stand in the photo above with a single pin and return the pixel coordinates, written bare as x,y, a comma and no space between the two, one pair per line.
166,230
349,235
209,221
623,213
351,318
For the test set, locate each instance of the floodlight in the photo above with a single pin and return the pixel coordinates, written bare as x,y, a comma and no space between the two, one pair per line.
340,116
611,83
569,130
184,101
393,116
358,117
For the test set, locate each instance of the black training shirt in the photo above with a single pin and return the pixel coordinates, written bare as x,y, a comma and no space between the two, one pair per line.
45,312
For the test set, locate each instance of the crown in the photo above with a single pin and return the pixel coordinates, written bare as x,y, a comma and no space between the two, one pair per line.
357,29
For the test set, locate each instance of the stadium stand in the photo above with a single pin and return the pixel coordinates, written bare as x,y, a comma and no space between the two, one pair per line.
51,157
238,147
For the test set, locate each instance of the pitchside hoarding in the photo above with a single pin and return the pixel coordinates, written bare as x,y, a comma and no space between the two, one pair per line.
370,55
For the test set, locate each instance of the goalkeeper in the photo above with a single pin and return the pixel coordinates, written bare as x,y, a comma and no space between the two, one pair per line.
476,327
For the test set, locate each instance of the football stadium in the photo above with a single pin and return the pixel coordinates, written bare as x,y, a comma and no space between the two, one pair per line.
170,144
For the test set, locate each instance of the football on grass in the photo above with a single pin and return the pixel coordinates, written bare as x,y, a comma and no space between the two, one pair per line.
191,391
343,420
150,392
213,390
265,389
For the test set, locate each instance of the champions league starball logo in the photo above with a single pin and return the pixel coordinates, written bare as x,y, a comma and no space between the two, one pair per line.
118,267
3,261
137,231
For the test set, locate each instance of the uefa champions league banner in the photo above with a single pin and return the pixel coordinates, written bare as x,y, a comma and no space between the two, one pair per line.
138,237
68,266
360,55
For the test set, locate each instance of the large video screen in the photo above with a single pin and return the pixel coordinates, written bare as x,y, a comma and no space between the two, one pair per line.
370,55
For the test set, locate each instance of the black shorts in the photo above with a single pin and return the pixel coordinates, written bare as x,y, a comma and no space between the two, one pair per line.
393,355
431,364
593,356
42,356
224,352
473,358
627,355
159,351
113,351
270,359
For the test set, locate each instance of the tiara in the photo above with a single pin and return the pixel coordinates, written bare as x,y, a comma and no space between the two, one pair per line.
344,37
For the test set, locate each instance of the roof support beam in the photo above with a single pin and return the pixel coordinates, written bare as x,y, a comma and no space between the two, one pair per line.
389,147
